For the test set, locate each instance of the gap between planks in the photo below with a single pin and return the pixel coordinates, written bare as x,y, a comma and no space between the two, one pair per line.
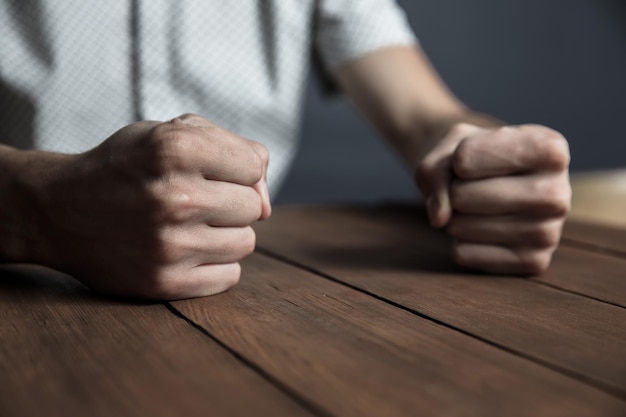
285,389
566,372
591,247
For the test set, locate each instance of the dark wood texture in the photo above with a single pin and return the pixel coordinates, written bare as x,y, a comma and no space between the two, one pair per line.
353,355
343,312
602,238
597,275
66,353
393,254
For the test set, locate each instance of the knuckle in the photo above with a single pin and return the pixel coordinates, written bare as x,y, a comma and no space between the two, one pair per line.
535,262
462,159
425,171
462,129
554,202
247,160
176,201
192,117
172,145
253,204
554,195
457,195
181,142
459,255
507,130
239,244
246,203
260,161
262,151
247,243
232,276
555,149
548,234
561,203
170,247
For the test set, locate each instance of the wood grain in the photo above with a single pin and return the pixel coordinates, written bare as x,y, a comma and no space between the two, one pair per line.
354,355
393,254
595,237
594,274
67,353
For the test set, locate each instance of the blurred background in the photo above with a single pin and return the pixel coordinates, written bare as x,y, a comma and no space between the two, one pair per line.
561,63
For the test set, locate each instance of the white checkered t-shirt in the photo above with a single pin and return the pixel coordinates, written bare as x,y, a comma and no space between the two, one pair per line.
74,71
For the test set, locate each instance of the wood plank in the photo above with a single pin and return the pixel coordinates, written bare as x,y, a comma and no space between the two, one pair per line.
67,353
595,236
354,355
393,254
593,274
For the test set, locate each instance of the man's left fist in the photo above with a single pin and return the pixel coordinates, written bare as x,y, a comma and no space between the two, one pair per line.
503,194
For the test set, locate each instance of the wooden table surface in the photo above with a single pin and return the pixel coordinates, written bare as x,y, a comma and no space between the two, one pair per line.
342,311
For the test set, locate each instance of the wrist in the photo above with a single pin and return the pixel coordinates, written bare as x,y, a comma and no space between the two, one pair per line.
25,174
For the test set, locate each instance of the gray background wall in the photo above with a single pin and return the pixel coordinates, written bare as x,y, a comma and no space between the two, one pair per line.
557,62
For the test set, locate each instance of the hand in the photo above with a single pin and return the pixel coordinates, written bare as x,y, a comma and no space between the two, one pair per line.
158,210
503,195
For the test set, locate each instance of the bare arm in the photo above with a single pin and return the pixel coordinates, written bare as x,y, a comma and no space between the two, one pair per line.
501,191
21,216
155,211
399,91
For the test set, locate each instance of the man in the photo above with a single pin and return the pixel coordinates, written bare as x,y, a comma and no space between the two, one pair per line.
162,209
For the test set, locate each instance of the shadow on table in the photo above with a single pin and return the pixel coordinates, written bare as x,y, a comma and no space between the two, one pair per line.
29,283
394,257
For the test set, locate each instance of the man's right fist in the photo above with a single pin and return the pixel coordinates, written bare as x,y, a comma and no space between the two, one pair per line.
158,210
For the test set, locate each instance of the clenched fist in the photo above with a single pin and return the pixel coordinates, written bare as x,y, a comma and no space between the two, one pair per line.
158,210
502,194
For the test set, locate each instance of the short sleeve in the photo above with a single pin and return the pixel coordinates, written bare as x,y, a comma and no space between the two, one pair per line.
347,29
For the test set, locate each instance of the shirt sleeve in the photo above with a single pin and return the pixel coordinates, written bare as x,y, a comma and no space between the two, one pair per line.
347,29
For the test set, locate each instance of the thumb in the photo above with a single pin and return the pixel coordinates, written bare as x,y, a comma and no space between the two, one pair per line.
434,173
433,176
438,202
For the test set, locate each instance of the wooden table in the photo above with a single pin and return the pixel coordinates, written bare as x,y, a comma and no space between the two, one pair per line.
341,312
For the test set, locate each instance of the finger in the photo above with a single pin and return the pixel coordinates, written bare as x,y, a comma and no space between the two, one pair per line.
501,259
200,245
506,230
510,150
533,195
434,173
214,152
433,177
261,186
215,203
266,205
201,281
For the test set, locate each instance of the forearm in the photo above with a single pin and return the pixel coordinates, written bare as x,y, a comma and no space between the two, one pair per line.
21,214
400,93
502,194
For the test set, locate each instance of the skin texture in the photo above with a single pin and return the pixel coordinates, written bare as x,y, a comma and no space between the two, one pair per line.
502,192
157,211
162,210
